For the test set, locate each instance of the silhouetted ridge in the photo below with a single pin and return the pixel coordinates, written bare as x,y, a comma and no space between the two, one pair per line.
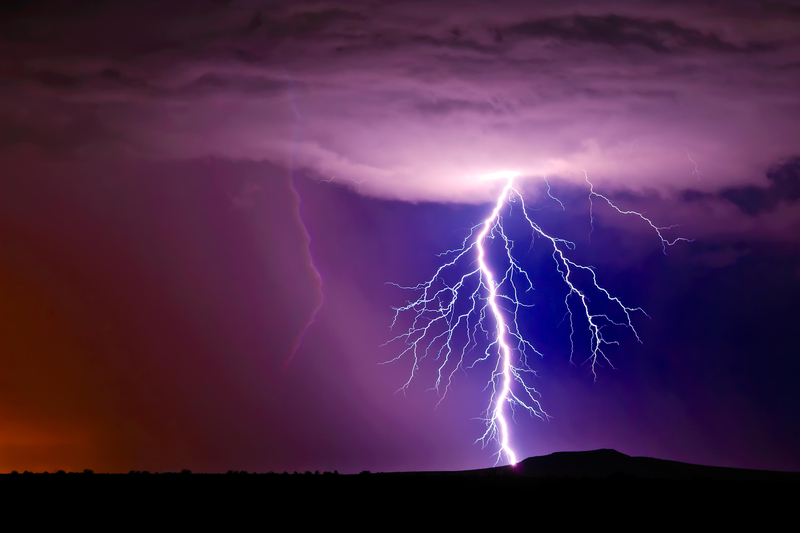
595,463
608,463
605,463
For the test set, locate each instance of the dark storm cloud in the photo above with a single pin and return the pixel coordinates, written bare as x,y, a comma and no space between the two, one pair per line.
210,84
448,106
63,134
784,186
301,24
106,79
55,80
661,36
691,195
418,101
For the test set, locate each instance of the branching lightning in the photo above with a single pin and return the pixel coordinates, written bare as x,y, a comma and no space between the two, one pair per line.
456,313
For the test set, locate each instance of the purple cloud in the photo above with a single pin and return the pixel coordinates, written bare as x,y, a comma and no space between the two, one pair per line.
420,103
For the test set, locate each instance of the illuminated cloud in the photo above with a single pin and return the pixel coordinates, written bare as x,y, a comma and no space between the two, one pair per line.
419,101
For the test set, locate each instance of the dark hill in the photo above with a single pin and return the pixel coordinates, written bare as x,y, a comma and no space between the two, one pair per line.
606,463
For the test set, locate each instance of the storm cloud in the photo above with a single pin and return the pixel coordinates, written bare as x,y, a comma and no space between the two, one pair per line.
416,101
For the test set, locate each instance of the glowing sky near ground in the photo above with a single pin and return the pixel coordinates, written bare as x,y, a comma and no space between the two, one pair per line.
155,273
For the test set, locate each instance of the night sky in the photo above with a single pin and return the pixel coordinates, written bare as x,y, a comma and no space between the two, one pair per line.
183,183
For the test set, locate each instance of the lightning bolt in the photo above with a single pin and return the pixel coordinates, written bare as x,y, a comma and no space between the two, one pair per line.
455,313
298,204
696,171
317,281
317,276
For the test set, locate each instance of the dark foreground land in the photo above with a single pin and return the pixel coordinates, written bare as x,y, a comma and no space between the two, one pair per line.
581,486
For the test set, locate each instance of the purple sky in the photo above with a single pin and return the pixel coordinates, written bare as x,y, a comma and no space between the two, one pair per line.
169,169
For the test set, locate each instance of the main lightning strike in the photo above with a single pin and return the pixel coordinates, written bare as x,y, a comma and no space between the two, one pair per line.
448,315
504,349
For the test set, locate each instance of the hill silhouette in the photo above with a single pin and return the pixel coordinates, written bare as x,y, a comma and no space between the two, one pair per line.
608,463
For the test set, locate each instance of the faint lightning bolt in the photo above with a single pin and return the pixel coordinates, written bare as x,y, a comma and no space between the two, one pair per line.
457,312
330,180
664,242
696,171
551,194
630,151
298,202
317,281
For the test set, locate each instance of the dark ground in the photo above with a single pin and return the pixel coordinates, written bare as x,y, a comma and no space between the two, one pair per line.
601,486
